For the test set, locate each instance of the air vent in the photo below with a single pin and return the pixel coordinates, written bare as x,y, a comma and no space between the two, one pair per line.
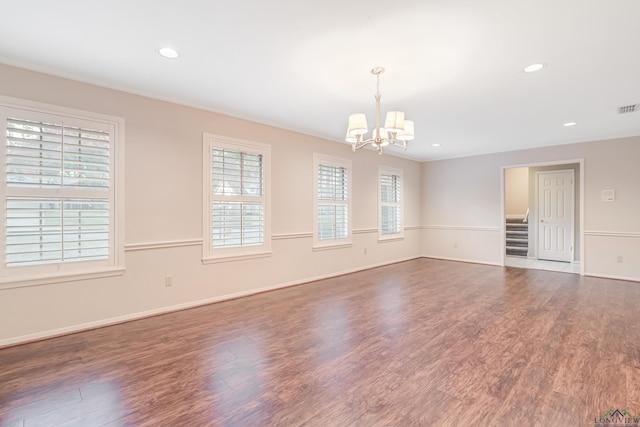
629,109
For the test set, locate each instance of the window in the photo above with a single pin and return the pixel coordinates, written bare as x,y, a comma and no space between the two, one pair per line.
236,198
332,201
61,200
390,204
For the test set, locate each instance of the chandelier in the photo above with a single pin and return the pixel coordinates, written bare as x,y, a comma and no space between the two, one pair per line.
396,130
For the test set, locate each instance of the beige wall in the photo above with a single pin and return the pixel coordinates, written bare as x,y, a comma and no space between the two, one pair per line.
163,214
461,202
516,191
452,210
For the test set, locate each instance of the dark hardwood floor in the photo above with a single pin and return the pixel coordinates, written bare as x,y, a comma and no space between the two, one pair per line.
424,342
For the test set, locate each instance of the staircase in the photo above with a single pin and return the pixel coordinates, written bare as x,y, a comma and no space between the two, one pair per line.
517,237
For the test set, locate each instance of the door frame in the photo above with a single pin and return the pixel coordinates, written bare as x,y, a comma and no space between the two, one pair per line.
572,209
580,225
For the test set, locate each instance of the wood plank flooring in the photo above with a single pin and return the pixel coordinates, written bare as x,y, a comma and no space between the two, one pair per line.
423,342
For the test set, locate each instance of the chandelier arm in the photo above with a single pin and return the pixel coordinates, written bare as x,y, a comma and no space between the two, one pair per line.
362,143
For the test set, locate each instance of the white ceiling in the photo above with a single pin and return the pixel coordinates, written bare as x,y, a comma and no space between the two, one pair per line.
454,66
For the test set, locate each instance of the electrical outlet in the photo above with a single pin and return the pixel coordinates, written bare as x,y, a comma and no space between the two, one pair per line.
455,246
168,281
620,259
365,251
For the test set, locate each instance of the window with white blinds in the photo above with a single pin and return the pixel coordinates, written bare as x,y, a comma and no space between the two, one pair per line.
236,199
332,202
59,192
390,203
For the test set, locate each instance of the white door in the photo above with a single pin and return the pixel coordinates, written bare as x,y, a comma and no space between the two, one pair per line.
555,215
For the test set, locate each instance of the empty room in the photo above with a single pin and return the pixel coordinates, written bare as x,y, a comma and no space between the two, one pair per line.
411,213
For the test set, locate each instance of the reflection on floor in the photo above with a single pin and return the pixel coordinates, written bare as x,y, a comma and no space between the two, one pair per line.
565,267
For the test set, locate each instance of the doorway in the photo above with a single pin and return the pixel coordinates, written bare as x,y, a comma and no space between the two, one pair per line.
542,216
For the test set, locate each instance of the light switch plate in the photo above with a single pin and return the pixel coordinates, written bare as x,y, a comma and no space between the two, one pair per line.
608,195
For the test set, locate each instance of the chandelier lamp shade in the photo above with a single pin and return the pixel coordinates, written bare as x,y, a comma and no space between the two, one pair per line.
396,130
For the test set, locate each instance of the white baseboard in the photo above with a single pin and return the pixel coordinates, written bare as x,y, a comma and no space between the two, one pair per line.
471,261
614,277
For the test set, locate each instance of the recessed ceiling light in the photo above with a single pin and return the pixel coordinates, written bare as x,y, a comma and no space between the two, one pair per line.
568,124
533,68
435,145
168,52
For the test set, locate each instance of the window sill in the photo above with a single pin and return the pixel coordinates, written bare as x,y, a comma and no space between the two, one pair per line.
236,257
21,282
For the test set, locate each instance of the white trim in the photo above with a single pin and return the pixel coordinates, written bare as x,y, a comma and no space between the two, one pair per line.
25,104
581,224
239,257
131,247
471,261
163,310
611,233
458,227
292,236
614,277
541,164
365,231
331,246
144,246
61,278
391,239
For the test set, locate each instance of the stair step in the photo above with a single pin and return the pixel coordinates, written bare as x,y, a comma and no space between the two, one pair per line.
517,234
517,252
515,220
510,240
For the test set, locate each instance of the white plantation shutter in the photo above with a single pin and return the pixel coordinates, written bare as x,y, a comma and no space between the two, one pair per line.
42,230
236,222
49,168
58,194
332,201
333,213
51,155
238,218
390,191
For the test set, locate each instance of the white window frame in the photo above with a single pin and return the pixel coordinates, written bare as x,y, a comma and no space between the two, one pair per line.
382,171
321,159
209,253
18,276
